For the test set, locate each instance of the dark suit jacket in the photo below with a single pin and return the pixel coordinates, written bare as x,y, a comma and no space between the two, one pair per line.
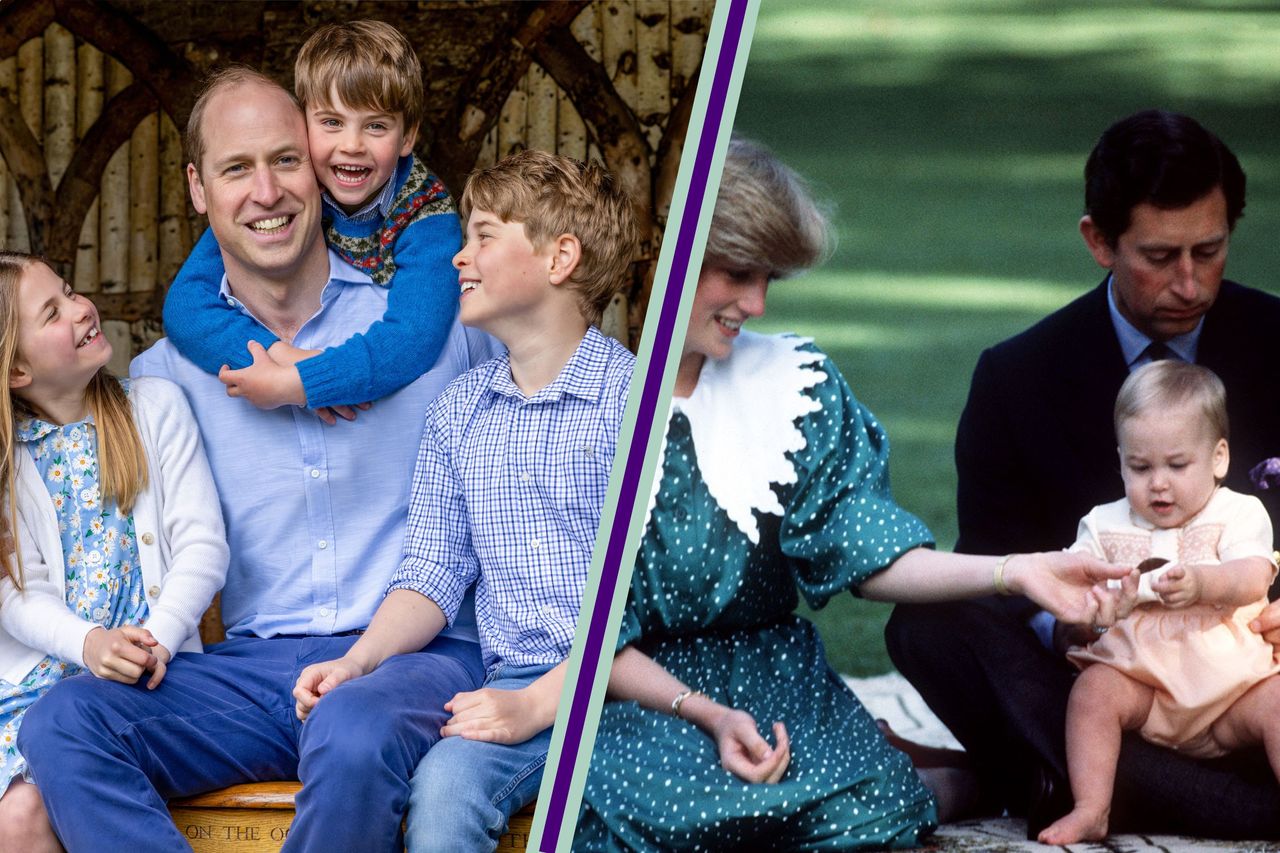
1036,449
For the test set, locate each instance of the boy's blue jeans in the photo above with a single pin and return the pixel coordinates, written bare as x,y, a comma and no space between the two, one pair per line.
106,755
465,791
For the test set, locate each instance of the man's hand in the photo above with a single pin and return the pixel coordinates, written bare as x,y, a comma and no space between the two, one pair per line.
747,755
121,654
1268,623
266,383
158,671
318,679
497,716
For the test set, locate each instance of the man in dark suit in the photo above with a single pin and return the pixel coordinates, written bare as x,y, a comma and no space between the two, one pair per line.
1035,450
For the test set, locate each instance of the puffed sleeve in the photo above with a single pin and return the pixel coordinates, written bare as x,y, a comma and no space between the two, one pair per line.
1247,532
1087,536
841,524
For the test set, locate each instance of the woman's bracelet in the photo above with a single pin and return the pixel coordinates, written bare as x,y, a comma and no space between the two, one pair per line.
998,578
679,700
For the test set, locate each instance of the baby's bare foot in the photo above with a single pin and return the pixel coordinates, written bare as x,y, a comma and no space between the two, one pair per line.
1080,825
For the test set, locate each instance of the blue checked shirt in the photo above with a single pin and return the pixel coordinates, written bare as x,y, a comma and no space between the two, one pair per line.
509,489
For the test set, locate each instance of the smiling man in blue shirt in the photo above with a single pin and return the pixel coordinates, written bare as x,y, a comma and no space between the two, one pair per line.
509,487
315,517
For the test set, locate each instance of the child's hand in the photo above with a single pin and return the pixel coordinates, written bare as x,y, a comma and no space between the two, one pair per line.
288,354
121,654
1178,587
497,716
266,383
747,755
162,666
318,679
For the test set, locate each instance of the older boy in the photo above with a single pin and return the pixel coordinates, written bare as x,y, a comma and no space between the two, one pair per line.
360,85
510,482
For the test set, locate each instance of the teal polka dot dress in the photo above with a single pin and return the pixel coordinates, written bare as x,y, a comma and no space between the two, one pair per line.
715,608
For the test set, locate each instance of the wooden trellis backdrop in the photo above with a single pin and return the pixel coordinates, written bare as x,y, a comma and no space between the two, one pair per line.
92,94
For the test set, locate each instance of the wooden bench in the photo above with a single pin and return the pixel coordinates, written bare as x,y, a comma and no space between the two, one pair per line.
255,817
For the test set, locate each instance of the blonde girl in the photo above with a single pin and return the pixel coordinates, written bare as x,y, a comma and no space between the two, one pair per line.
110,520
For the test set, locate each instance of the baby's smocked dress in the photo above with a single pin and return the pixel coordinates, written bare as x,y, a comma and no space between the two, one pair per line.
103,575
774,478
1199,659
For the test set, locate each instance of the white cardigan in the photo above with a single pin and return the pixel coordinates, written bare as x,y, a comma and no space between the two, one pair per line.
181,543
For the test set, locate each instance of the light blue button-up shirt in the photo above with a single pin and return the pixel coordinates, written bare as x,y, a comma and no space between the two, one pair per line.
315,514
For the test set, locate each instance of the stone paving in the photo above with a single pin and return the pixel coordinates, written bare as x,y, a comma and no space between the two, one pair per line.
890,697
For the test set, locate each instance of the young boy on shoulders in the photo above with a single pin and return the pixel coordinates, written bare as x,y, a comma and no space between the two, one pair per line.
360,86
510,483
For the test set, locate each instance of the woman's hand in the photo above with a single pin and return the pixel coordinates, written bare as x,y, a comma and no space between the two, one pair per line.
1073,586
122,654
747,755
1179,586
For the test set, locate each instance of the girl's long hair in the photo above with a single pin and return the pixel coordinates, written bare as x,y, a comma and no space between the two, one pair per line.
122,462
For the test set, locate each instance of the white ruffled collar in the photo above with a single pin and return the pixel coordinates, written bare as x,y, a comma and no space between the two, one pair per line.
742,416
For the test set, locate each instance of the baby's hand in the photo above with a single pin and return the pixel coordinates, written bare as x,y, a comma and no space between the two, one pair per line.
497,716
747,755
266,383
120,654
318,679
1178,587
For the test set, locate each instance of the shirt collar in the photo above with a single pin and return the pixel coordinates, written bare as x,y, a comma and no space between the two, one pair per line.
30,428
1134,343
582,375
378,207
340,274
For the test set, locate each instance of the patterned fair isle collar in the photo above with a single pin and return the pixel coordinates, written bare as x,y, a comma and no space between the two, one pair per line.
743,417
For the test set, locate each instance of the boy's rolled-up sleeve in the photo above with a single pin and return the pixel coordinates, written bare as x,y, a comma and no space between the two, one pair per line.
437,560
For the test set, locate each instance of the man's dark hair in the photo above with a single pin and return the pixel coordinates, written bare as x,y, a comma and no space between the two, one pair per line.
1161,158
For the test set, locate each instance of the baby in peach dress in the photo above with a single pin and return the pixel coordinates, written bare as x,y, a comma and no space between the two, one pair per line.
1183,668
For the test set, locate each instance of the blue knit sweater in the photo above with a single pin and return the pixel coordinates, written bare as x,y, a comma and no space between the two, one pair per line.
416,242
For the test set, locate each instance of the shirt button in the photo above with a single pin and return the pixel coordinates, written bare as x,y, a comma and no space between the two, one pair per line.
154,592
323,611
315,472
148,539
322,544
534,543
524,476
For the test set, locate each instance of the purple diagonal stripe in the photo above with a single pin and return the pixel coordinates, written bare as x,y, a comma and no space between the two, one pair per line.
644,423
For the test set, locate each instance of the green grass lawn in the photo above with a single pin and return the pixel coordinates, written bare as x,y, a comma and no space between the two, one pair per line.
950,137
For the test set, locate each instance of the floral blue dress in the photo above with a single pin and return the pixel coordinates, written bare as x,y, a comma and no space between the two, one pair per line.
104,577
